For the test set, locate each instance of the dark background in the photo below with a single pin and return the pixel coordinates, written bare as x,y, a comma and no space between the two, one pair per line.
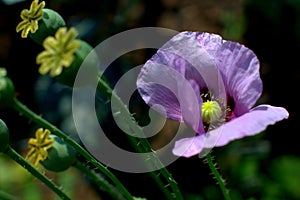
271,28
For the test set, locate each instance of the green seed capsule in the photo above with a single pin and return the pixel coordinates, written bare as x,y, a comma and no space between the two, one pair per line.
4,136
48,25
7,92
60,156
211,111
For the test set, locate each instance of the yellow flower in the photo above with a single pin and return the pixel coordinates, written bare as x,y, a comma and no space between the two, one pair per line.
30,18
59,51
39,146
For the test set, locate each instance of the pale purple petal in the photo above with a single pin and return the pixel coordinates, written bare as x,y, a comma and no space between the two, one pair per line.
239,67
190,58
191,109
201,56
153,93
188,147
179,98
248,124
186,57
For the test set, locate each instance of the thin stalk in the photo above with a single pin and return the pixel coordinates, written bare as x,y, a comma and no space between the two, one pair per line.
6,196
100,181
155,176
218,177
21,161
22,109
144,144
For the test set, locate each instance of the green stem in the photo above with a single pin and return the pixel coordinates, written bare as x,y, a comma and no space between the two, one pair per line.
155,176
144,146
22,109
100,181
6,196
21,161
218,177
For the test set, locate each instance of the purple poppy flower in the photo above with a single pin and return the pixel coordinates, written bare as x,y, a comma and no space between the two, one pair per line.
210,84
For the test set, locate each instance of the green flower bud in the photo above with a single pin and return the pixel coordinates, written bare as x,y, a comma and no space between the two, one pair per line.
60,156
68,75
4,136
47,26
7,89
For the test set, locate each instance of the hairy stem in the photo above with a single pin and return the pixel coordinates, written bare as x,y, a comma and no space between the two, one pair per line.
100,181
143,146
218,177
22,109
22,162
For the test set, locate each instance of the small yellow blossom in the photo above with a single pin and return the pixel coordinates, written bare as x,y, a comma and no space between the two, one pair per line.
30,18
39,146
59,51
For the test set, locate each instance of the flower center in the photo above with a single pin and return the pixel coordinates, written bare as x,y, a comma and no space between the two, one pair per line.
215,110
211,112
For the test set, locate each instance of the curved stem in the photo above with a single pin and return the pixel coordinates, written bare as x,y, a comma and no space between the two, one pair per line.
22,109
144,146
100,181
21,161
218,177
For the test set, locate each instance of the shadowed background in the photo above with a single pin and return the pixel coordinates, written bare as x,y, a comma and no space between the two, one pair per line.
263,167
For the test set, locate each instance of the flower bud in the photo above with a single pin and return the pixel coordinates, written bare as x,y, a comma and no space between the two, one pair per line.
7,89
68,75
4,136
47,26
60,156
